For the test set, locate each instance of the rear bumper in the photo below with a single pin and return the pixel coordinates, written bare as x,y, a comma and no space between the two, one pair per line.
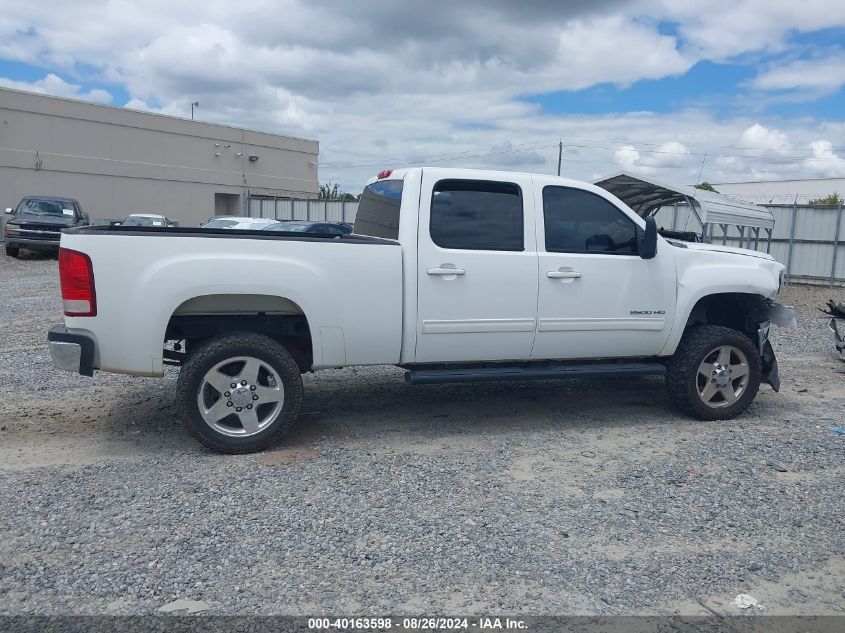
33,244
71,352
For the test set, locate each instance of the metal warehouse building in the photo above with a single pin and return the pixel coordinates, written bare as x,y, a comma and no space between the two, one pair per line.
117,161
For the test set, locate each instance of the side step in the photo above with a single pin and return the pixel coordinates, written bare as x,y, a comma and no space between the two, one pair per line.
547,372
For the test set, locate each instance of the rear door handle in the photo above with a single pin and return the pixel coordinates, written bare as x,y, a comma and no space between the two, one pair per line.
563,274
446,271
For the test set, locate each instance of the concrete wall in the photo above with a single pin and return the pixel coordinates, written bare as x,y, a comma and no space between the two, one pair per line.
117,161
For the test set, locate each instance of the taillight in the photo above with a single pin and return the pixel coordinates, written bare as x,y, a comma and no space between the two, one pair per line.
76,276
384,173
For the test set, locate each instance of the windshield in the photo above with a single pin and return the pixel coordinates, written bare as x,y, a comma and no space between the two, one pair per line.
220,224
288,226
141,221
45,207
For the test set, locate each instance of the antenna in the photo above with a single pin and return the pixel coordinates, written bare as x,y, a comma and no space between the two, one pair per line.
559,156
701,169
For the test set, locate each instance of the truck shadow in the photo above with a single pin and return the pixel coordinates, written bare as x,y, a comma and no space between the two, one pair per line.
349,405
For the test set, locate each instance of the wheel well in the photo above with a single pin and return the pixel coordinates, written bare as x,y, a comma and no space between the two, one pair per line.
734,310
202,318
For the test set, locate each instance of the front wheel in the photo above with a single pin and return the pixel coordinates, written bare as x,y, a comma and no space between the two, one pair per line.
13,251
715,373
239,393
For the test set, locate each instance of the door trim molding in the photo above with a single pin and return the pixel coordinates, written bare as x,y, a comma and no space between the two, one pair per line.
602,324
477,326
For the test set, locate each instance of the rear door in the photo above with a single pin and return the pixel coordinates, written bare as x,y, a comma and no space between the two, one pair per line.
476,267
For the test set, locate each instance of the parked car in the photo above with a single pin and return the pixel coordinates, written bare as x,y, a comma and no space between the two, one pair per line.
456,275
37,222
295,226
237,222
145,219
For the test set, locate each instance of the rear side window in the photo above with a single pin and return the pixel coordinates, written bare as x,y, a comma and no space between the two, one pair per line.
578,221
378,210
477,215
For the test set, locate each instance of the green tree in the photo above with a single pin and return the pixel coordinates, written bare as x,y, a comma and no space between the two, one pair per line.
329,191
332,191
706,186
832,199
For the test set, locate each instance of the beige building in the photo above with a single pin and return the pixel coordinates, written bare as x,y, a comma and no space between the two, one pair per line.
117,161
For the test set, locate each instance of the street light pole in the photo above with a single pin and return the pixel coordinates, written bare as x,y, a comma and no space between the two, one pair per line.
194,104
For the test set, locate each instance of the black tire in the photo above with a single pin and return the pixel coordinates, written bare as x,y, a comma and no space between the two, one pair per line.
13,251
218,350
682,375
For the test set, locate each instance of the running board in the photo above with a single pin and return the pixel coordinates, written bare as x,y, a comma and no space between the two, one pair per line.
548,372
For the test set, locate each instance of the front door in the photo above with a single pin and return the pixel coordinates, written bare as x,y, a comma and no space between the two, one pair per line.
597,297
477,269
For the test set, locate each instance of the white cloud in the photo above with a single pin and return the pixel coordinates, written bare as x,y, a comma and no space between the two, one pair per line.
762,138
721,29
627,156
376,80
53,85
825,162
819,76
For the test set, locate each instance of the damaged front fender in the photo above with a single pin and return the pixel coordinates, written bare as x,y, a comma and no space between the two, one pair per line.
838,338
782,316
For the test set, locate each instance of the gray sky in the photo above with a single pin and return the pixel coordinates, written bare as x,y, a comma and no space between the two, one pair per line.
756,85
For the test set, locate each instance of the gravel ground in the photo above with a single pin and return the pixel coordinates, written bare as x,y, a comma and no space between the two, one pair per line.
538,498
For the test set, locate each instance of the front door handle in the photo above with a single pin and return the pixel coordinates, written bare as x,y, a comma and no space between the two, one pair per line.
563,274
446,271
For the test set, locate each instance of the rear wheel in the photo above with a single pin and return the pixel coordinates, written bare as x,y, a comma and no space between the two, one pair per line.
13,251
715,373
239,393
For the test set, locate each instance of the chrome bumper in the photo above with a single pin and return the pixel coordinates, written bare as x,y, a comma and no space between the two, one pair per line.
71,352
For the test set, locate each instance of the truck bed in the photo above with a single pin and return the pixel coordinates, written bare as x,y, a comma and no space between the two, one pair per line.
183,231
349,288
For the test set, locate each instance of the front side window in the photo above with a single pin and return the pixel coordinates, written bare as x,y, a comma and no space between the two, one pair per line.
578,221
477,215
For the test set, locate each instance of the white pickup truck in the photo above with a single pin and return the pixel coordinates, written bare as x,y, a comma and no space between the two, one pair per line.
455,275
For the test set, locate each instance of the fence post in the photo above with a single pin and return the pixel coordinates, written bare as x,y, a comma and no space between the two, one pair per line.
675,216
756,238
791,241
343,211
835,244
308,209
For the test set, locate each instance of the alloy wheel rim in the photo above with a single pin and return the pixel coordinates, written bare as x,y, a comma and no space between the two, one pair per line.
722,376
240,396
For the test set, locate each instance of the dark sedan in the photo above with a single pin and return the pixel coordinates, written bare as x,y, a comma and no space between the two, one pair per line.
324,228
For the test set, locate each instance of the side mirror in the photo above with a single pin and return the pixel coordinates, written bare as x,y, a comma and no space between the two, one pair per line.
9,211
648,239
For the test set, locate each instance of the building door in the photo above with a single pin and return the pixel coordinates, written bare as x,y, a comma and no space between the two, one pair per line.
227,204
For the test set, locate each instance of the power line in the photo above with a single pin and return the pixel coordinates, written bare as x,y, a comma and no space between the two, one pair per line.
547,143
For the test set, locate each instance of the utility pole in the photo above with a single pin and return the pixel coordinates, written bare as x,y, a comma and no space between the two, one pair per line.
559,156
193,105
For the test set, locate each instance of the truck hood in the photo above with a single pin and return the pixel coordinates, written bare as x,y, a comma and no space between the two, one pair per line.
718,248
53,221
